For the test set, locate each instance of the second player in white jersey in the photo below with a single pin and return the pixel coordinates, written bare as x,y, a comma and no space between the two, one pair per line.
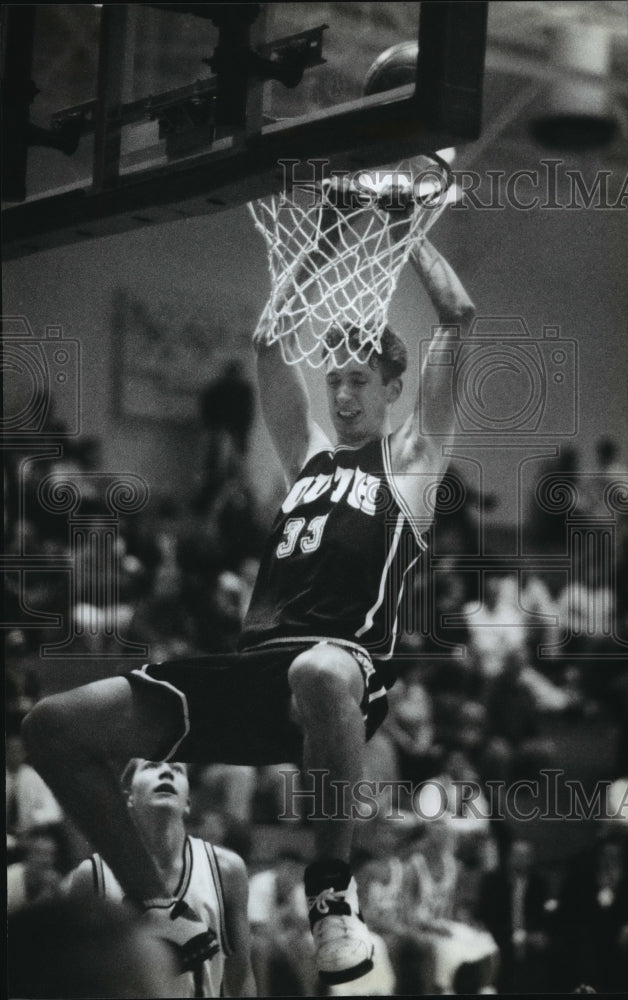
210,881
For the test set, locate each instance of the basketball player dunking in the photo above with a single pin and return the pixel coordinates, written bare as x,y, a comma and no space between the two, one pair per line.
211,881
310,678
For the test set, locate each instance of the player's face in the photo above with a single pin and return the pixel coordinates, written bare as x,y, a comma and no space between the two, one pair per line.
358,401
160,785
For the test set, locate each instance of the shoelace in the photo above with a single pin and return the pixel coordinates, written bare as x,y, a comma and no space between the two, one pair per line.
321,902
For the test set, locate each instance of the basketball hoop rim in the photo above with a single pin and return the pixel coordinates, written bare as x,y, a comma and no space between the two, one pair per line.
446,171
340,263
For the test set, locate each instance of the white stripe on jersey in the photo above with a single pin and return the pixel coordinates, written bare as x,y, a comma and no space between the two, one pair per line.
220,897
399,599
370,614
390,476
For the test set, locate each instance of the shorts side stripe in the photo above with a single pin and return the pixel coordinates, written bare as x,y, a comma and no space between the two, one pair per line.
141,672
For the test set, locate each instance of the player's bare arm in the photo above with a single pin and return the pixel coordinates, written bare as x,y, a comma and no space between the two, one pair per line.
416,454
238,973
285,404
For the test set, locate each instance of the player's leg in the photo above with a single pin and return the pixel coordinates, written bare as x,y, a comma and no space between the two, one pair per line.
328,689
79,742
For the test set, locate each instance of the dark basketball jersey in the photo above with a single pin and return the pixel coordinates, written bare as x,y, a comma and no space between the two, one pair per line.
339,555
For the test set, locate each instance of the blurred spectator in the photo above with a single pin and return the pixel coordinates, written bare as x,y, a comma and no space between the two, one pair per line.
227,404
609,468
469,812
226,788
215,826
461,724
21,684
511,705
438,606
515,904
546,527
212,592
537,602
225,501
459,512
226,409
38,875
496,626
617,807
518,701
410,729
410,898
29,801
196,603
34,600
152,538
74,460
400,756
233,523
224,613
163,619
592,927
282,950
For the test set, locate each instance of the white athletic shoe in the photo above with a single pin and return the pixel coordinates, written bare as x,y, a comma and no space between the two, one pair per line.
342,943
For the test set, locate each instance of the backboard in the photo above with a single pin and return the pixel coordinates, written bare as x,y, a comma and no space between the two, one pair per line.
124,115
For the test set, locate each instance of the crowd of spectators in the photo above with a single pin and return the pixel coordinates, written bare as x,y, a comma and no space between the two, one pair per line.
462,891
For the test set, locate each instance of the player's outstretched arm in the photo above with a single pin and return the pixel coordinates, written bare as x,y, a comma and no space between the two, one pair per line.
455,312
446,291
286,408
420,446
434,405
238,974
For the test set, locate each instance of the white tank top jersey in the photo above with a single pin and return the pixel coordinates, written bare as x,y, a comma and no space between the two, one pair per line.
201,888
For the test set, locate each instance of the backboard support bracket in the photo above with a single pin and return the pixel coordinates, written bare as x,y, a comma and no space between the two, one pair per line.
443,110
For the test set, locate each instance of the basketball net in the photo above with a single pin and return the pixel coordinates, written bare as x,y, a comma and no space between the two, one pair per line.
335,255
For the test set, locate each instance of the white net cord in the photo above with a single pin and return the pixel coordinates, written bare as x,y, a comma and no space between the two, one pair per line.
334,262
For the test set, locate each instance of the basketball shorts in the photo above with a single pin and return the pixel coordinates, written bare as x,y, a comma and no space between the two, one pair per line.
234,708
